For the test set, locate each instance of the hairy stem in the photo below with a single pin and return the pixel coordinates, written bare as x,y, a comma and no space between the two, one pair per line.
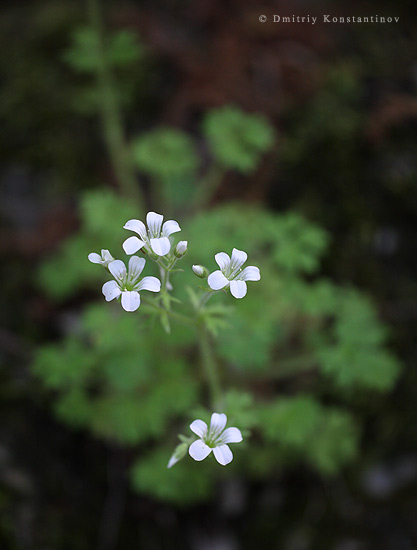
208,185
174,315
205,298
209,366
110,112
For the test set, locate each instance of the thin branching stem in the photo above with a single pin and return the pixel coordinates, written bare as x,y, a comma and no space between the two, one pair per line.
209,366
110,112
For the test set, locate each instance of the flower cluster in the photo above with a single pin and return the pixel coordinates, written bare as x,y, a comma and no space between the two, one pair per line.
154,239
127,282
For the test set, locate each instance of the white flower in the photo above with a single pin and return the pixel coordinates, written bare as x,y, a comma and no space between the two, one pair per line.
155,239
104,259
215,439
127,283
231,273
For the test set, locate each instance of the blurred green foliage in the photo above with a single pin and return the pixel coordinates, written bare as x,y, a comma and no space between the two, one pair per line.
165,153
325,436
123,54
122,49
103,215
169,158
237,139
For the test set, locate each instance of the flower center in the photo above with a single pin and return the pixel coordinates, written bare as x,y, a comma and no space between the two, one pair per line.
213,438
128,283
232,271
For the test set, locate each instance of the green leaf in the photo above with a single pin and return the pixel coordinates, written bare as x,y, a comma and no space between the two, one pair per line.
60,367
74,408
103,215
354,355
122,49
237,139
326,437
165,153
187,482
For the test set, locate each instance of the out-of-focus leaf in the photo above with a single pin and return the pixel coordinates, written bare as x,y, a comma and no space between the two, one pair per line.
237,139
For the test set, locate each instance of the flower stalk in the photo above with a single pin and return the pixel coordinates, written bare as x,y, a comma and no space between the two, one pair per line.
209,365
156,241
110,112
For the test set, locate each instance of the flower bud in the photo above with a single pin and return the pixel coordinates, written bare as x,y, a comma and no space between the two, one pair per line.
200,271
179,453
180,249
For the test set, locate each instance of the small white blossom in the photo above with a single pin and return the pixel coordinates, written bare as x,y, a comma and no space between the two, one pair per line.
104,259
127,283
215,438
231,273
154,239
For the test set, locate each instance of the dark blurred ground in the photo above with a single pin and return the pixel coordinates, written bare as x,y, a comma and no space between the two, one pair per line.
343,100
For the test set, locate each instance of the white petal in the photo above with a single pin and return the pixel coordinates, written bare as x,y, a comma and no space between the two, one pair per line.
105,254
232,435
169,227
132,245
130,300
117,269
238,288
218,422
222,260
154,222
149,283
199,450
199,427
223,454
136,266
161,246
137,226
250,273
95,258
111,290
217,280
238,257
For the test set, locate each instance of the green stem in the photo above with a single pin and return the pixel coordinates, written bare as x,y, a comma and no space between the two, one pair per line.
184,319
205,298
165,279
110,112
209,367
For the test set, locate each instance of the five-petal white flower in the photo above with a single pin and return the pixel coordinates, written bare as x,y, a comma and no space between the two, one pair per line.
231,273
154,239
215,438
127,283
